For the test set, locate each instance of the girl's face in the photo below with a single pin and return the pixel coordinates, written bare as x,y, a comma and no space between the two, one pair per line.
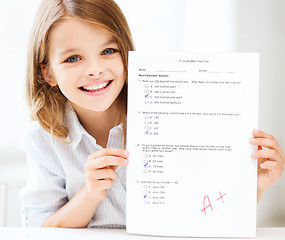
86,64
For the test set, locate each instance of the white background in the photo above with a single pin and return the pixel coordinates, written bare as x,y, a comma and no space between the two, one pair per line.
156,25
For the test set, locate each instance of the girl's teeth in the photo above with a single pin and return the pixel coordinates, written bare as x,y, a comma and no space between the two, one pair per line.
95,87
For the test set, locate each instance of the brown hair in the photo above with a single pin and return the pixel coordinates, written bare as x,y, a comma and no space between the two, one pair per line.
48,103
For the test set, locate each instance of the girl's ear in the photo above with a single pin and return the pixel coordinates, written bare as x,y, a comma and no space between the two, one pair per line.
46,72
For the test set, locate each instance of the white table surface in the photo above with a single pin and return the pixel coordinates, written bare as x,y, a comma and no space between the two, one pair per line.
10,233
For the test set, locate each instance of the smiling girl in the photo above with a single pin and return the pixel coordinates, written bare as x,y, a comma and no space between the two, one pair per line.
77,89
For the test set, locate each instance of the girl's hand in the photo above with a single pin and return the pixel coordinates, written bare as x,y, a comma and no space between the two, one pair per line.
100,170
271,160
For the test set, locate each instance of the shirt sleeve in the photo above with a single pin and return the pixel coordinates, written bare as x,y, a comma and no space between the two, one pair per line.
44,192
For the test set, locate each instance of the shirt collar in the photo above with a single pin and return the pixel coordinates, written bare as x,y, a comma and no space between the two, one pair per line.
75,128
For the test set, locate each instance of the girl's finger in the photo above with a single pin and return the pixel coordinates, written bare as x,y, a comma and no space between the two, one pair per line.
109,152
270,165
102,174
104,161
266,142
259,134
267,153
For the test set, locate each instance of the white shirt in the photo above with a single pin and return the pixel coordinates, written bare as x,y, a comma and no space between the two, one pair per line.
56,173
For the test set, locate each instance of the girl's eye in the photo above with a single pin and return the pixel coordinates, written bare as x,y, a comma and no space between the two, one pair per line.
109,51
73,59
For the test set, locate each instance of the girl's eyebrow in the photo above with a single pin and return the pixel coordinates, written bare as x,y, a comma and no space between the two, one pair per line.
111,41
66,51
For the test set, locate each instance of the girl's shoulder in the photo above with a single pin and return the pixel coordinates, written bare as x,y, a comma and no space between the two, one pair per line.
35,135
35,131
41,149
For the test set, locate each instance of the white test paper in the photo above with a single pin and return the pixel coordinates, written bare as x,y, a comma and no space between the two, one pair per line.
190,117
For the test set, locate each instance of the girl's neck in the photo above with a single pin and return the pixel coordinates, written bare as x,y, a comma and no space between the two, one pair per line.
98,124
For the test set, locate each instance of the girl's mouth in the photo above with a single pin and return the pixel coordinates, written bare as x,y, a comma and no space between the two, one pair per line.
96,87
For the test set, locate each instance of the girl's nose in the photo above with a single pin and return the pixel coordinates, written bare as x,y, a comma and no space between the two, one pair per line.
94,74
95,68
